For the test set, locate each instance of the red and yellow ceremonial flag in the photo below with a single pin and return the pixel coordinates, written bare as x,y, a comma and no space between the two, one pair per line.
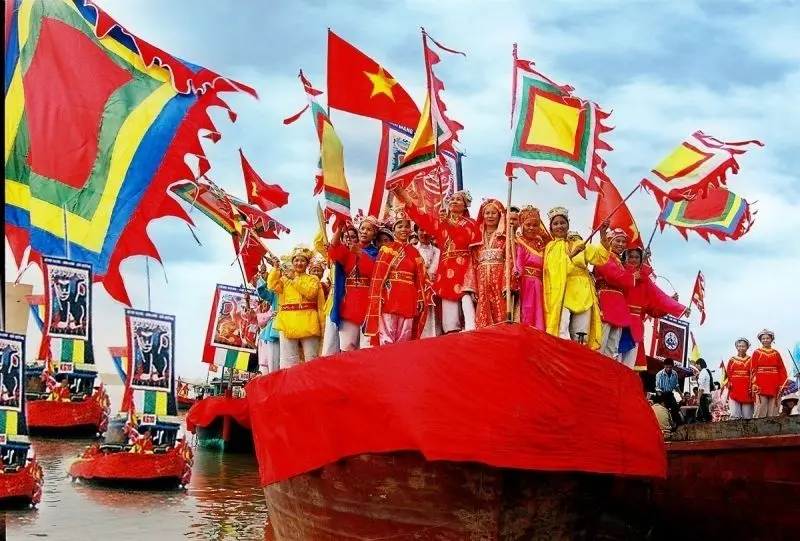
359,85
554,131
698,163
699,295
721,214
259,193
610,201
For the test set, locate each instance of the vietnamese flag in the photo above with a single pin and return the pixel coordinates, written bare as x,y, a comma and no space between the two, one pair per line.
259,193
359,85
608,199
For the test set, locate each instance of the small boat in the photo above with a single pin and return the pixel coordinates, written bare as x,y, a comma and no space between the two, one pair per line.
733,480
190,393
85,412
222,421
21,476
480,435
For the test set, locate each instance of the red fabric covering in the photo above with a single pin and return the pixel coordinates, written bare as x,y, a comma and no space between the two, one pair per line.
204,411
507,396
50,414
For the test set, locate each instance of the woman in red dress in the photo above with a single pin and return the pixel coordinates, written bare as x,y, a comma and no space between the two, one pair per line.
769,376
396,311
455,233
612,281
740,375
489,258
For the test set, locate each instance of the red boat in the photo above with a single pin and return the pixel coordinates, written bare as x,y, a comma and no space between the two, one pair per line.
21,479
490,435
222,423
188,394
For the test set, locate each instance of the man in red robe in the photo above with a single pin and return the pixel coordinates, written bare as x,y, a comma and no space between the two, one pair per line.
769,376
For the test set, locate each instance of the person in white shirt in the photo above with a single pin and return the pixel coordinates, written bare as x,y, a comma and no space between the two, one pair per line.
430,255
705,386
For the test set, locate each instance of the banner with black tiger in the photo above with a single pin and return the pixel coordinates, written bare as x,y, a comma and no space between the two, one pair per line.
68,298
151,343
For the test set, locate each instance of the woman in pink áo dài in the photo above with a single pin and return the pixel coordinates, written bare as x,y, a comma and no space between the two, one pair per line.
528,266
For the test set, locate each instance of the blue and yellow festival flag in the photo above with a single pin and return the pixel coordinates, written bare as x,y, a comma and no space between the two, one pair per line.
98,123
721,214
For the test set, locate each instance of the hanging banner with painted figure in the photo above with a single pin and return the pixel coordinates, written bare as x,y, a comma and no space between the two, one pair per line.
68,298
151,339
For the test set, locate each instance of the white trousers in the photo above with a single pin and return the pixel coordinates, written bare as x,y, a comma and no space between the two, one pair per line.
573,324
350,338
330,342
269,356
739,410
451,316
629,357
610,340
290,350
430,324
765,407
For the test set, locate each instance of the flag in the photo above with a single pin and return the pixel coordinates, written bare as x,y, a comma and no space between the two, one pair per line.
721,214
100,142
359,85
554,131
265,196
609,199
795,358
698,163
36,306
695,353
723,375
331,180
119,355
434,133
699,295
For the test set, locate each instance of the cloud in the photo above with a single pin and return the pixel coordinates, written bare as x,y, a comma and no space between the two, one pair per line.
665,69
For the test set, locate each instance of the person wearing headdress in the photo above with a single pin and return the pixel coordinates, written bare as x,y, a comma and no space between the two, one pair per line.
769,376
455,233
357,262
330,335
385,235
740,373
317,268
570,300
612,281
430,255
645,299
301,315
269,349
397,301
528,266
489,258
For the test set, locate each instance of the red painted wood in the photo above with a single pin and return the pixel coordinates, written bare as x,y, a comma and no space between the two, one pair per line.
50,414
123,466
23,485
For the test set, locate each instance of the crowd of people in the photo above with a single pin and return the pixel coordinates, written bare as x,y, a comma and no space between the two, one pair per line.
420,274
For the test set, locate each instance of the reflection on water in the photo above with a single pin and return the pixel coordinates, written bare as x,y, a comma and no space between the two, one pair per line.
223,502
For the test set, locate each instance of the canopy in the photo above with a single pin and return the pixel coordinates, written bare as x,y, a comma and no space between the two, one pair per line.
508,396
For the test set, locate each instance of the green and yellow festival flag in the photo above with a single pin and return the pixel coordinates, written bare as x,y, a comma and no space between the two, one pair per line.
721,214
98,123
554,131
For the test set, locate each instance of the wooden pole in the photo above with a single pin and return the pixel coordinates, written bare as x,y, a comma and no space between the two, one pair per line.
509,242
66,231
147,271
652,235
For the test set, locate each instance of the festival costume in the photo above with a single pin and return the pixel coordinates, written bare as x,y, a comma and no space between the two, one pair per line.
430,256
330,334
644,299
612,280
269,349
489,259
60,394
300,317
739,372
769,376
397,289
357,273
529,265
455,276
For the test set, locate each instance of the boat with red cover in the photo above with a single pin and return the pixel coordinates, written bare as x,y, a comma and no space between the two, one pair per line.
487,435
222,423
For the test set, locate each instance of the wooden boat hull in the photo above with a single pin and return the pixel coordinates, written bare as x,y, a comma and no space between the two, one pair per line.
170,469
225,434
22,488
185,403
403,497
737,480
67,418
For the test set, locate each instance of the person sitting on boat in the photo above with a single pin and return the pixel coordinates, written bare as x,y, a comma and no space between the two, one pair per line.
667,384
666,421
143,444
430,256
489,260
300,316
357,261
269,347
719,404
612,282
790,400
61,393
396,311
455,233
644,299
570,300
528,266
740,373
769,375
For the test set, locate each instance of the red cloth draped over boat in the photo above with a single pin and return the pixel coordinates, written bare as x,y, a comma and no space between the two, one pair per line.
508,396
203,412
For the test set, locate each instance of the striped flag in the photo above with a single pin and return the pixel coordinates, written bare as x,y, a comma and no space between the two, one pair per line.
699,295
230,358
9,422
695,353
119,355
36,305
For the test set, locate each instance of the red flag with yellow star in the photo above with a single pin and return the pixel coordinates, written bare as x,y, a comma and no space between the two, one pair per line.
359,85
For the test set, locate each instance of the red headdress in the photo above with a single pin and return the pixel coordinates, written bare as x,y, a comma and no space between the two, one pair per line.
501,227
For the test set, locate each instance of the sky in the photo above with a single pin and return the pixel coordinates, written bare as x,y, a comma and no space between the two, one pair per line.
664,69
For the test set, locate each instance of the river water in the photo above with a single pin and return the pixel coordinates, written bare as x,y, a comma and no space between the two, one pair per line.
223,502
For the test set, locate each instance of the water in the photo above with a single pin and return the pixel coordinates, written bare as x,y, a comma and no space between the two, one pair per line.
223,502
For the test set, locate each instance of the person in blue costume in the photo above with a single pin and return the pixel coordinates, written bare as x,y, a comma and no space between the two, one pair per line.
269,348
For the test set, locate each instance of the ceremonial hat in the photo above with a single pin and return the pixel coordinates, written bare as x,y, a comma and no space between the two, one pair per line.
527,212
790,391
616,233
301,251
317,261
742,339
360,219
397,215
558,211
766,332
463,194
574,235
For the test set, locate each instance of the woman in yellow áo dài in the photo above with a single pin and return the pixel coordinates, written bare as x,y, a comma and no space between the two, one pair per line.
301,316
570,300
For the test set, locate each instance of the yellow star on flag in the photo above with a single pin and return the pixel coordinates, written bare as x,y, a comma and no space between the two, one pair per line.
381,83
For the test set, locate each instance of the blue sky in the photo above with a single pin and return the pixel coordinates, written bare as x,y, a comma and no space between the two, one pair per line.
666,69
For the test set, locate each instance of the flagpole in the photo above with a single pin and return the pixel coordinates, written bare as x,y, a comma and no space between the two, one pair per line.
147,271
652,236
509,242
66,231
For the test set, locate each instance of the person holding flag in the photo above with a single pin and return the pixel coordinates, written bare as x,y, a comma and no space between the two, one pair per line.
739,374
612,281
